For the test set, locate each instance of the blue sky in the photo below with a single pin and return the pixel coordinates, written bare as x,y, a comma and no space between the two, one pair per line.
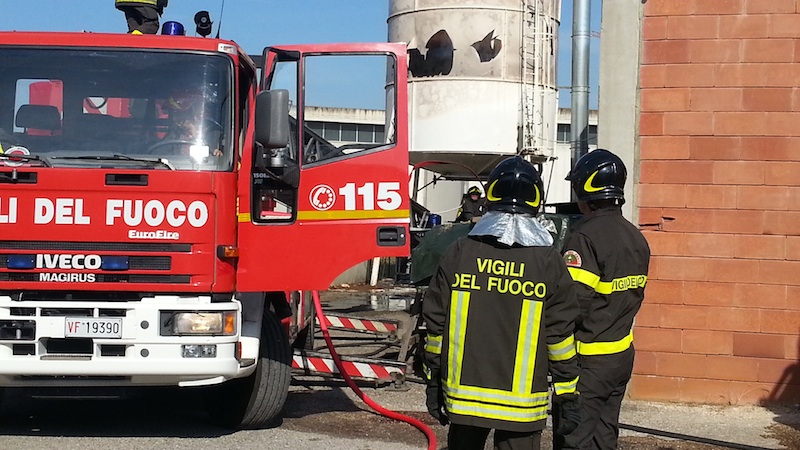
254,24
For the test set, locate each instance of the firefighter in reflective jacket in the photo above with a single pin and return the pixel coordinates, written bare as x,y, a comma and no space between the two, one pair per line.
142,15
499,314
608,259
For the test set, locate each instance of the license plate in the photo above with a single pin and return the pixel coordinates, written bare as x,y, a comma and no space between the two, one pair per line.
87,327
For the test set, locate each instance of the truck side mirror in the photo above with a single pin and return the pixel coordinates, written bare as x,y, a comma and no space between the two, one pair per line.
272,118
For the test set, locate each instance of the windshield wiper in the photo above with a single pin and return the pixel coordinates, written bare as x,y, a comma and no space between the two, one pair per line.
25,158
160,161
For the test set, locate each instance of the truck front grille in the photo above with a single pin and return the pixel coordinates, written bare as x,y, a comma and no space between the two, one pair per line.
37,261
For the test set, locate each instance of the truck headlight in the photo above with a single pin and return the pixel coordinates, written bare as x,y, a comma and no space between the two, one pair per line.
204,323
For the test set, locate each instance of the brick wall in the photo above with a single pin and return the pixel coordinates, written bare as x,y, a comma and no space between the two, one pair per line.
719,200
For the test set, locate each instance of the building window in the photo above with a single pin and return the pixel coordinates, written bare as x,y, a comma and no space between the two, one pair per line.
592,137
349,132
316,127
563,133
330,131
366,133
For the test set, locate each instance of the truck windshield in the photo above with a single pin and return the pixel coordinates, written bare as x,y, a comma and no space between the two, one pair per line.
116,108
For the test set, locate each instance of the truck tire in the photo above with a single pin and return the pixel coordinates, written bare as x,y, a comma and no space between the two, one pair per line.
256,401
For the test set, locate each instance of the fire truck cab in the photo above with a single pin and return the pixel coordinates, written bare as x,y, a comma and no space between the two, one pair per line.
167,204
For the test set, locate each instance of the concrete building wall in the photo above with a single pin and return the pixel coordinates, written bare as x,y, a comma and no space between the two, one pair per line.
618,94
719,200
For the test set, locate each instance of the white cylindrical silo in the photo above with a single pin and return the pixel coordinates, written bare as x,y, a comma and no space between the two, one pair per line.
482,78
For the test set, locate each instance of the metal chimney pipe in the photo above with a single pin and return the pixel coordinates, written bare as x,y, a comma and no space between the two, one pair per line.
579,123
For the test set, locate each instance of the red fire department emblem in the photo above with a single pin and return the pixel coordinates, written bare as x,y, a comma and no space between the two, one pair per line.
572,258
322,197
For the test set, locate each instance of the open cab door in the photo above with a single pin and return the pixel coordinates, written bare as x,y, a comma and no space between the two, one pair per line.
323,181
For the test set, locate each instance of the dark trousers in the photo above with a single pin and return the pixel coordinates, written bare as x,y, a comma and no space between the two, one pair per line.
465,437
602,384
141,18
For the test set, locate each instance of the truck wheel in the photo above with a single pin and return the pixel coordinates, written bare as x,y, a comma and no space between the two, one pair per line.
256,401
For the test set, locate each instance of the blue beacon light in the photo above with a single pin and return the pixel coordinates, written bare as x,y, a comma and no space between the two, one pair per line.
173,29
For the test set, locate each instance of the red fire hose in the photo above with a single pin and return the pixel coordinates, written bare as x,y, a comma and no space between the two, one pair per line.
378,408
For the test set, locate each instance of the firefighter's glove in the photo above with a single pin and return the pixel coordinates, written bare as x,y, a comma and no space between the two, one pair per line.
569,413
434,400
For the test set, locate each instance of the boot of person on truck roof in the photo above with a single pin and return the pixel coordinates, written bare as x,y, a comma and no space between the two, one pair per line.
142,15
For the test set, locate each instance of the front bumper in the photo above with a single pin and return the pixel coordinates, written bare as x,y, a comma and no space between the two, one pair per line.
141,356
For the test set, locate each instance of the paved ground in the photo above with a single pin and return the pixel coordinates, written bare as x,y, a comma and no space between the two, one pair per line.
326,414
691,427
646,425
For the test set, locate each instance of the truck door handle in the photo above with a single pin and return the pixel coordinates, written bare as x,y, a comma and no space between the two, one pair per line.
391,236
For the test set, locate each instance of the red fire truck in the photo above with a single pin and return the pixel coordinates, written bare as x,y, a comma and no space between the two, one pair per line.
167,204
